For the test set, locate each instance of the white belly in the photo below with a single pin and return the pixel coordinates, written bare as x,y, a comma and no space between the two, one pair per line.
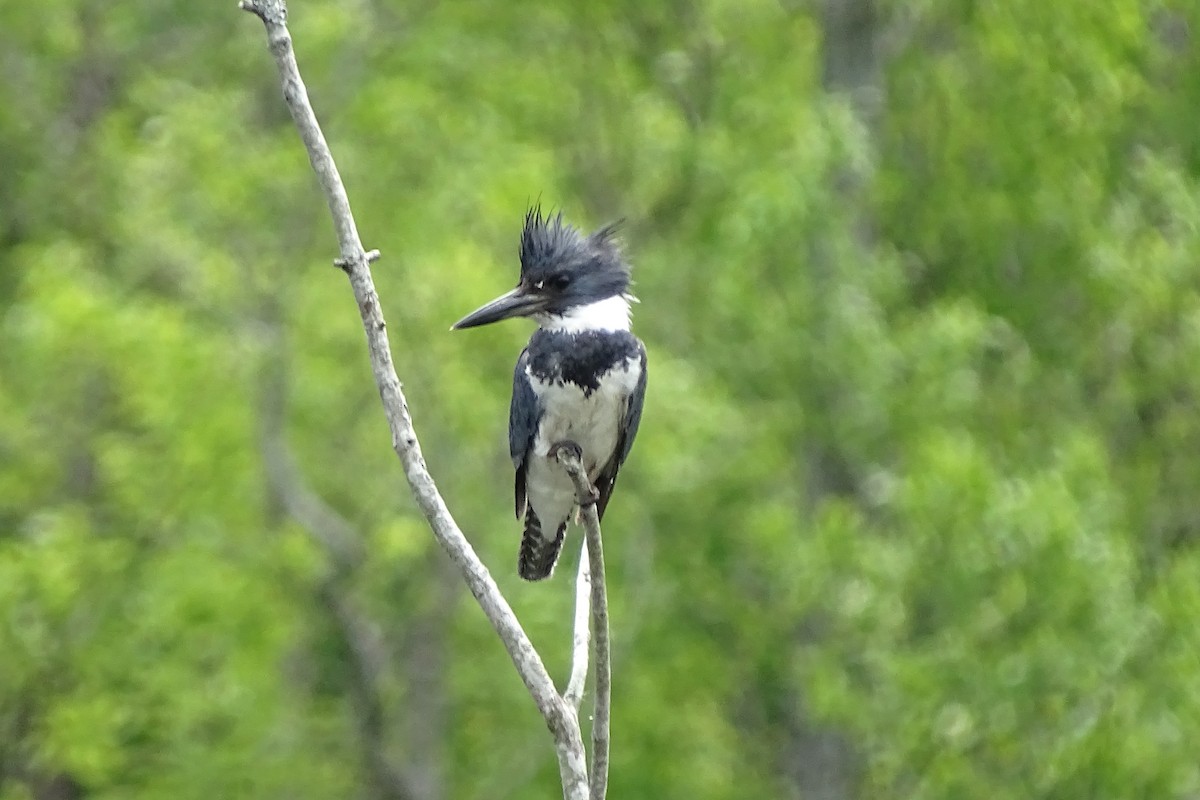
591,421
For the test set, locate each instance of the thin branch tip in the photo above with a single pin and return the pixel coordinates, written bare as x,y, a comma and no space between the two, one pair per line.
569,456
272,12
573,696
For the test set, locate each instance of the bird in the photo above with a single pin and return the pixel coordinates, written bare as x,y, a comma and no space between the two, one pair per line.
580,381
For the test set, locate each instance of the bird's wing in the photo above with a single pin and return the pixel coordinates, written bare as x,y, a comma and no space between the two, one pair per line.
632,417
523,415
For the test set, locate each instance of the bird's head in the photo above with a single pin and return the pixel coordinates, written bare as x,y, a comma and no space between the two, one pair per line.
561,271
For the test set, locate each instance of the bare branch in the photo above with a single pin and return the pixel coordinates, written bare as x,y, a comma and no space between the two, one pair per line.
582,640
355,260
603,706
342,544
285,482
326,526
365,656
586,494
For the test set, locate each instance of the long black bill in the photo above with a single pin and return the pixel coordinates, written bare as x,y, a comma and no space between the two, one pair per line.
517,303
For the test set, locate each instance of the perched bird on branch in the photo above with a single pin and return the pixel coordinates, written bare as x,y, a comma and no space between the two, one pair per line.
580,381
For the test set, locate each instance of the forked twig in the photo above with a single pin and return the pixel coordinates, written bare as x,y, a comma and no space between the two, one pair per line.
568,457
582,634
355,260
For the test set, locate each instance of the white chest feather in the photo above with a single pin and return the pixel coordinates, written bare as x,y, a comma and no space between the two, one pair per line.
590,419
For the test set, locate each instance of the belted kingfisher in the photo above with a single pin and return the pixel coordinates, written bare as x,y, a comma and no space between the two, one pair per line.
581,378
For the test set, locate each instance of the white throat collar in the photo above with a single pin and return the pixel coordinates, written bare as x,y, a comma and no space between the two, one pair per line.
610,314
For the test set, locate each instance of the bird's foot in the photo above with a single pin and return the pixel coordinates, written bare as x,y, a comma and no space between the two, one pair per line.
569,448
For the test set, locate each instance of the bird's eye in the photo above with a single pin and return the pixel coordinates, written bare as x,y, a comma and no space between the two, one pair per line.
560,281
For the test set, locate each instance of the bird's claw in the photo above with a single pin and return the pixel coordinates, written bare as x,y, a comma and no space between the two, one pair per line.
570,447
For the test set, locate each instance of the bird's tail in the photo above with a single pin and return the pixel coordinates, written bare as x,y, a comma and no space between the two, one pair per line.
539,553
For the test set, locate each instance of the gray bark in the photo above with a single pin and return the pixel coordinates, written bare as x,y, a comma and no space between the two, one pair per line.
355,261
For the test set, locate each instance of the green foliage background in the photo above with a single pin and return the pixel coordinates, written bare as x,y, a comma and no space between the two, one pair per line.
915,509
